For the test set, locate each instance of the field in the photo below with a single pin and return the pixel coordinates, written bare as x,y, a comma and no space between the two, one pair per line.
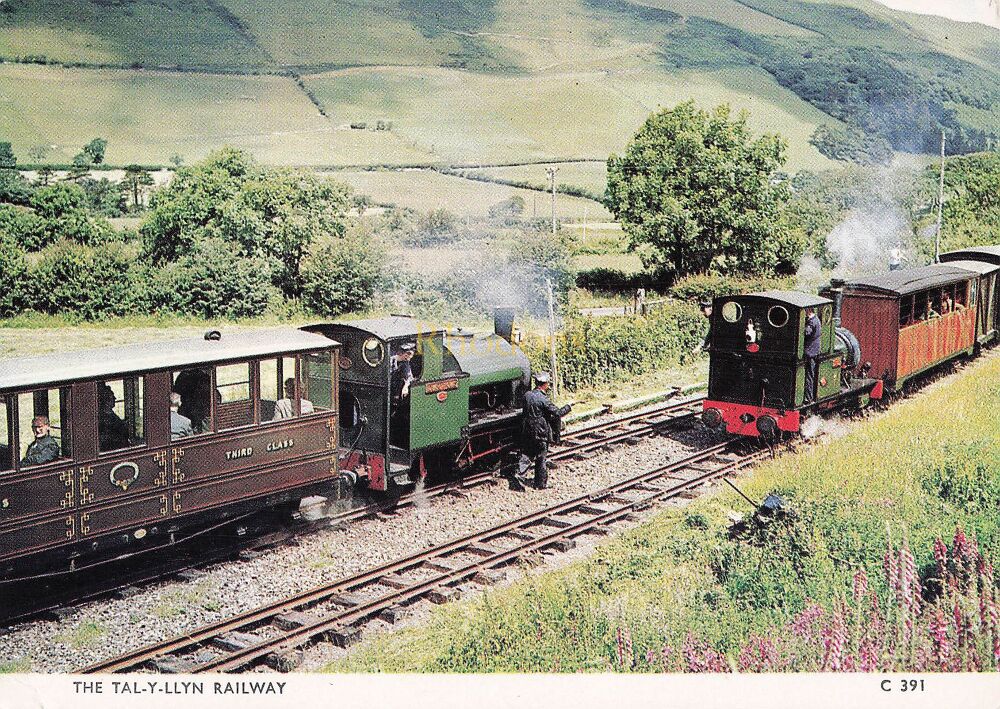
425,190
592,176
149,116
685,585
460,116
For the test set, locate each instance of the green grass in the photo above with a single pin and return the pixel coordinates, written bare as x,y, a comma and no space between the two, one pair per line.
149,116
20,665
916,471
185,32
425,190
460,116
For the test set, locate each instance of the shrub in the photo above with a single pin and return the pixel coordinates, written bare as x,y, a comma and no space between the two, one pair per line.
88,282
613,280
213,281
342,275
965,474
707,286
16,280
65,210
23,227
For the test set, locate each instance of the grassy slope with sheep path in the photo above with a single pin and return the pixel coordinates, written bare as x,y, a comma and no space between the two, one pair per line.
914,473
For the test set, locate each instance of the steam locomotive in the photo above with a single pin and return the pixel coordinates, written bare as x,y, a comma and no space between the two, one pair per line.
136,448
878,332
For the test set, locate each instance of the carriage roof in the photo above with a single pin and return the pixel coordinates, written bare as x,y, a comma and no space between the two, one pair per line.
151,356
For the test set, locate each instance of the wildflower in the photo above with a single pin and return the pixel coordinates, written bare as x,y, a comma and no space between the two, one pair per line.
624,649
834,639
860,585
938,629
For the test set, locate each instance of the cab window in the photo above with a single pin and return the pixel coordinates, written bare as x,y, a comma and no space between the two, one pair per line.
44,426
317,381
906,310
119,414
6,459
277,389
191,394
234,407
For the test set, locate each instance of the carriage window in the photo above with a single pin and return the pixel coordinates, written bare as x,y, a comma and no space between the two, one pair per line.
233,406
906,310
119,414
317,381
44,426
6,459
961,295
919,307
947,299
193,390
277,388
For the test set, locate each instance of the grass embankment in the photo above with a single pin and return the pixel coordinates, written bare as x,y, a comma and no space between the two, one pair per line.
682,583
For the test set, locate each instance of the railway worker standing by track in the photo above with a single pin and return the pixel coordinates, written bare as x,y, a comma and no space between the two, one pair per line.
813,330
706,344
541,416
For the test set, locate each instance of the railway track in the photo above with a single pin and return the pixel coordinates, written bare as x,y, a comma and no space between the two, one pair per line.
581,442
273,634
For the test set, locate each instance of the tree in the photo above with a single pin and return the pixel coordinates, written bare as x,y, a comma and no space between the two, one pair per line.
82,162
342,275
695,191
176,160
45,174
7,158
95,149
135,182
259,211
65,209
39,152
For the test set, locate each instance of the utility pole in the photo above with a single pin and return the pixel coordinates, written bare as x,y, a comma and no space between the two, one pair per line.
937,236
551,171
552,339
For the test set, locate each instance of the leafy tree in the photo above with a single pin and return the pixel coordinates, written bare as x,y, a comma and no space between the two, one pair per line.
39,152
65,210
509,210
23,228
135,182
851,144
211,281
7,158
270,213
14,290
104,197
14,189
88,282
343,274
82,162
95,150
45,174
695,191
176,160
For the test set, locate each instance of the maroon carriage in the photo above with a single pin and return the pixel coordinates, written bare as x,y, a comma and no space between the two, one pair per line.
132,447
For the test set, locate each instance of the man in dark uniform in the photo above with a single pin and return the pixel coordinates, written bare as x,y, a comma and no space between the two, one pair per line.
112,433
706,344
401,371
44,449
813,330
540,417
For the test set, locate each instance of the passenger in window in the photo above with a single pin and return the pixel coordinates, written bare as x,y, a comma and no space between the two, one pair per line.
45,448
180,426
947,305
284,409
111,430
194,387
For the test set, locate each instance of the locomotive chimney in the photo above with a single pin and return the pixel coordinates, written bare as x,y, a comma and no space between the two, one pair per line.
837,291
503,322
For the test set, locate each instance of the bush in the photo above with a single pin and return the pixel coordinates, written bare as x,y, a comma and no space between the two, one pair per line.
16,280
613,280
89,282
342,275
595,351
707,286
65,210
23,227
212,281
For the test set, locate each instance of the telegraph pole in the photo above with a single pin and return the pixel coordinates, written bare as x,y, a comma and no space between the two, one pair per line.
937,236
551,171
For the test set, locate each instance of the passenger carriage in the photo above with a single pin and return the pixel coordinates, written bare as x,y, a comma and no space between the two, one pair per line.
909,321
263,432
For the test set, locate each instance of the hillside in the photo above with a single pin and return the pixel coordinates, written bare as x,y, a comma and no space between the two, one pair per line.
463,81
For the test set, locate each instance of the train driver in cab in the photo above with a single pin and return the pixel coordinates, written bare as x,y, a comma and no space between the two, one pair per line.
401,371
813,330
45,448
